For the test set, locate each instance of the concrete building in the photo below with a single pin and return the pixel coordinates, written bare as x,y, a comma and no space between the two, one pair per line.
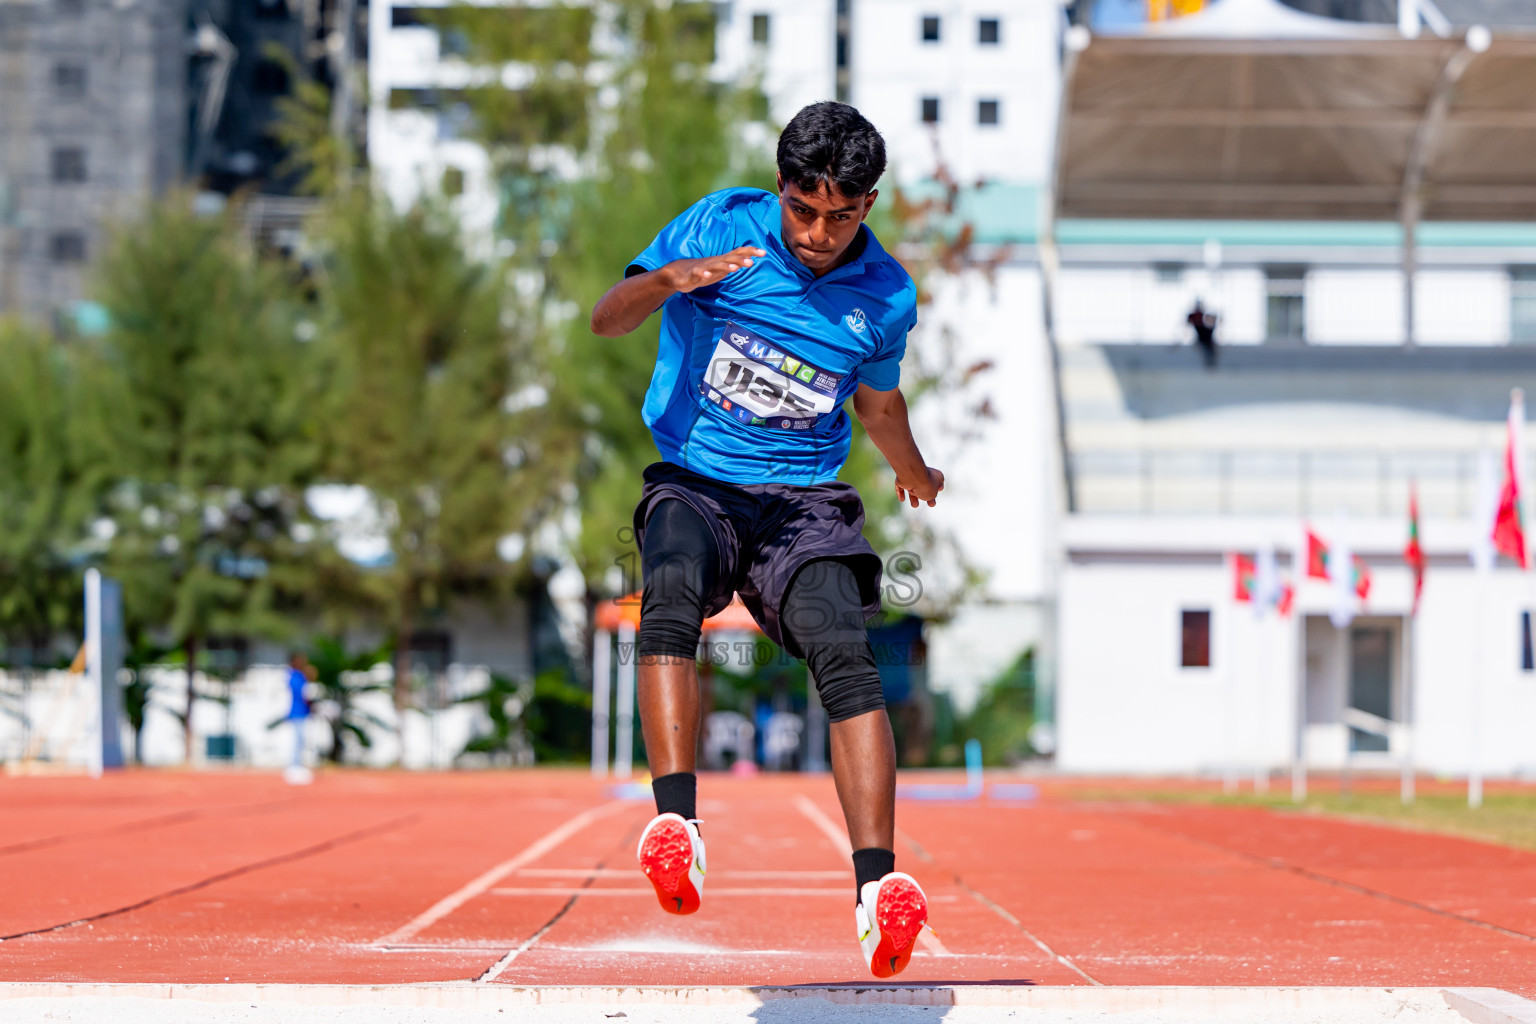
106,104
1372,319
93,111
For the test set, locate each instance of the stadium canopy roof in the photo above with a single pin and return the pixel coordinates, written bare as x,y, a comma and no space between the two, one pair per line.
1251,110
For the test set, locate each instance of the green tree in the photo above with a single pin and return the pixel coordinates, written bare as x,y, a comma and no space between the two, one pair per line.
422,373
657,137
44,500
200,417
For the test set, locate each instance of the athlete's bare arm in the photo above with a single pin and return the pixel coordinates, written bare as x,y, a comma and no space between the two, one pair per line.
884,415
628,303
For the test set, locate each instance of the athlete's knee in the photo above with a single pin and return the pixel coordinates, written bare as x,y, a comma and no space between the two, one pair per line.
680,566
825,617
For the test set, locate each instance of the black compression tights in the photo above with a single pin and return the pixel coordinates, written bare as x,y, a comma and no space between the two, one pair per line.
822,612
681,566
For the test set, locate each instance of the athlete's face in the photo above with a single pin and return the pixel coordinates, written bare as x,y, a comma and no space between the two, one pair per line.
818,227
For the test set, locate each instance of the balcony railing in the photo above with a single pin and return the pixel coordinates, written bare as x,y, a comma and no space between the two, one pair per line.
1362,484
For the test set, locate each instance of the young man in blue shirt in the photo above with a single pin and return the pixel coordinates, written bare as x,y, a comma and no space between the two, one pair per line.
775,311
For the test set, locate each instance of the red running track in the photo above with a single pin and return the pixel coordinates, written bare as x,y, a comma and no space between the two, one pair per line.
528,878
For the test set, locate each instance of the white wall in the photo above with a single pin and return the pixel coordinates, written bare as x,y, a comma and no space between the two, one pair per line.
1123,702
1462,307
993,437
797,64
1354,307
893,69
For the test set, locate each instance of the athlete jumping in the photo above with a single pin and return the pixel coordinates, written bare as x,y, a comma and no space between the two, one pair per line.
775,311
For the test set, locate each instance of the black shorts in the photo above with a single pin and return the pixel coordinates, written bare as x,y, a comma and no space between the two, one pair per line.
765,533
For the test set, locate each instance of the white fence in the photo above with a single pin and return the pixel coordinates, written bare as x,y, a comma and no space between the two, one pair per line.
45,718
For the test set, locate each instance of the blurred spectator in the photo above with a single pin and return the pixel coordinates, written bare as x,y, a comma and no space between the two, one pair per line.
1204,324
299,674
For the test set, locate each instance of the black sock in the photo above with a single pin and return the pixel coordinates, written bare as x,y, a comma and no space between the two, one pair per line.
870,865
677,793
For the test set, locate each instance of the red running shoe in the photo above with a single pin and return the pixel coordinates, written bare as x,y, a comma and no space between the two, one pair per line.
889,915
672,856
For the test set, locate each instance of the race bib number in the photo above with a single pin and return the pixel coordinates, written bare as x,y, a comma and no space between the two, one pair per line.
764,386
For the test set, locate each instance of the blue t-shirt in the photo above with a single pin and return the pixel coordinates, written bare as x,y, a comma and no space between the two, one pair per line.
298,707
752,371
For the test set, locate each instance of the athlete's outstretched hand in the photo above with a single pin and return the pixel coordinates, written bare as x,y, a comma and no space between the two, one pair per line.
928,490
628,303
686,275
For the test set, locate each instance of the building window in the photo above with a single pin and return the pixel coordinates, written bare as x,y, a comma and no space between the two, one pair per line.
930,28
67,247
69,81
1527,661
760,26
405,17
986,112
1522,304
1195,639
1285,313
930,110
431,651
988,32
69,165
1168,273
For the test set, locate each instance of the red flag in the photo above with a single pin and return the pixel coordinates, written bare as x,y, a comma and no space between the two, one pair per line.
1242,577
1287,598
1362,579
1317,556
1508,530
1413,554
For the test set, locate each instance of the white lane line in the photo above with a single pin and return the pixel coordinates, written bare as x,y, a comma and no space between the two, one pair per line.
636,873
456,899
839,840
1000,911
715,891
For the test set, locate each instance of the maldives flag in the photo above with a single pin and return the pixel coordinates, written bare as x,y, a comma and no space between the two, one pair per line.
1413,554
1242,577
1317,556
1508,528
1362,579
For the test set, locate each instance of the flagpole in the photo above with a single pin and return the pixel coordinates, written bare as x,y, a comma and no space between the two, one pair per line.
1407,789
1229,674
1299,751
1475,771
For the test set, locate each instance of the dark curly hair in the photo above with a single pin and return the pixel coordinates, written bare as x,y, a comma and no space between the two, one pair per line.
831,143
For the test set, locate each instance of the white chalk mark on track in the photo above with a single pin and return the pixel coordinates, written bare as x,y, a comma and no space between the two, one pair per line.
715,891
839,839
634,873
456,899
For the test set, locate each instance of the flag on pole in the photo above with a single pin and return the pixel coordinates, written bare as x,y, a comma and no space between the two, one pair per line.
1341,573
1256,579
1266,581
1317,557
1413,554
1242,578
1508,523
1361,578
